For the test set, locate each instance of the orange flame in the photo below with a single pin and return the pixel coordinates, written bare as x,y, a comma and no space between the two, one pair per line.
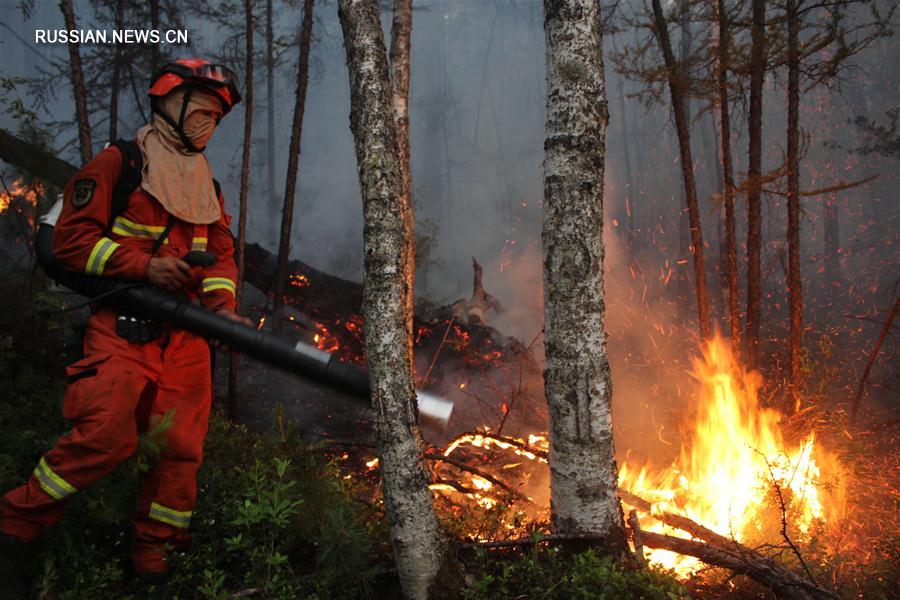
735,463
18,190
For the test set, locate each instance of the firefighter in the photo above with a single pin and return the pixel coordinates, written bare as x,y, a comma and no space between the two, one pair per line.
136,373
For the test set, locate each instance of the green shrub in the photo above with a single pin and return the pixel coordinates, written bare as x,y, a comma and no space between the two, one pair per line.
544,574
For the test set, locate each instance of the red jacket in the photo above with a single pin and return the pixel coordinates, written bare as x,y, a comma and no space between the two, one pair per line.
85,241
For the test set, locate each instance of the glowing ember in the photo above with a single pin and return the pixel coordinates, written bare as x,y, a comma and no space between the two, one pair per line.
734,464
300,281
324,340
29,194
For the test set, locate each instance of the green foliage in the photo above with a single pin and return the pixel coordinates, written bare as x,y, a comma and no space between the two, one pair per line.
544,574
152,443
273,515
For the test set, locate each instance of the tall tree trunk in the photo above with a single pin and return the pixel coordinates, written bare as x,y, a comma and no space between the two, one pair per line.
676,77
832,249
116,83
155,54
734,309
684,221
630,190
419,547
78,88
270,119
754,171
577,377
401,33
290,186
793,199
233,359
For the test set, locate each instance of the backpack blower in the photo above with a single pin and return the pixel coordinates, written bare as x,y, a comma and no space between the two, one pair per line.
147,301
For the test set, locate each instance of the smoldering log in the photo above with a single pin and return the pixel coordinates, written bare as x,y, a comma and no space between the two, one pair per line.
742,560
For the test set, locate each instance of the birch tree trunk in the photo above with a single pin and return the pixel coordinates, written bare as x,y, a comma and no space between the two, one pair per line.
419,547
290,186
401,34
754,171
677,81
793,199
234,359
78,88
577,377
731,273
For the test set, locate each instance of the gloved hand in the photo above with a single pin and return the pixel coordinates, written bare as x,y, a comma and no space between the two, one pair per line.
168,273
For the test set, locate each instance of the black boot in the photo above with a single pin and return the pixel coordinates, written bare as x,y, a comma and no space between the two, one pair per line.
15,562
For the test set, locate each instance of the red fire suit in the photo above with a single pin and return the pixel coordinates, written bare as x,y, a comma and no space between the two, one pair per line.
120,387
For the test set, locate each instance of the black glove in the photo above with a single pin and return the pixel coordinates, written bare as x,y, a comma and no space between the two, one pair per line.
138,330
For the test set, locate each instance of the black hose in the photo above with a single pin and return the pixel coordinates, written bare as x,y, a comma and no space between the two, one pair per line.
152,303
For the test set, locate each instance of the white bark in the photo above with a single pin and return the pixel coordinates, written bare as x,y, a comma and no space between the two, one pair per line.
577,376
419,547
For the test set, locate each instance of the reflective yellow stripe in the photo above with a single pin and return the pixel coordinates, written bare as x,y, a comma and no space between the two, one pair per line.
53,484
178,518
210,284
96,262
122,226
199,243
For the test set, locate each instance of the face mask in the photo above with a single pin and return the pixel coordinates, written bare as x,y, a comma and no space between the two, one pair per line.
202,114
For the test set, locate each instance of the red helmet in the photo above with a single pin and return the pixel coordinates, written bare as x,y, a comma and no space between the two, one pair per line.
218,79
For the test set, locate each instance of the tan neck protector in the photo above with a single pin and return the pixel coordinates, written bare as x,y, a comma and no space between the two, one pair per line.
179,179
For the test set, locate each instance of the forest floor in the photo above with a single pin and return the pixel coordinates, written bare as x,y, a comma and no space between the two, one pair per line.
276,515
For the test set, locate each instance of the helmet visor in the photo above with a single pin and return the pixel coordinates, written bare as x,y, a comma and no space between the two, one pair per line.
208,74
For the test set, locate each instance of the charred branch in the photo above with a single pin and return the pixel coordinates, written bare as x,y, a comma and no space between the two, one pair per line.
474,309
35,160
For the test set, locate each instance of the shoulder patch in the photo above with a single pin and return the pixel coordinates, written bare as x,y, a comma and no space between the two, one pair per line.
82,192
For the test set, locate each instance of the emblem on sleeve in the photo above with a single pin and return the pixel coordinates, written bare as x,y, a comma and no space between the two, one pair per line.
82,192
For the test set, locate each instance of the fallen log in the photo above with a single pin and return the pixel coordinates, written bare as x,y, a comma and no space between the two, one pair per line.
742,560
35,160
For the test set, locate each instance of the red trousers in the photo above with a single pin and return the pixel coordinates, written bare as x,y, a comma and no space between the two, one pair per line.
113,393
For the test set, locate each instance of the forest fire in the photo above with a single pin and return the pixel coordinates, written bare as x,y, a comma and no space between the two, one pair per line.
19,191
736,475
735,466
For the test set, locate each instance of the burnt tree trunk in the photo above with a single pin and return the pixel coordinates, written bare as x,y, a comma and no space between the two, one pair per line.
630,191
731,272
233,359
577,377
684,221
116,82
420,549
754,172
401,31
677,83
290,185
79,91
270,119
793,200
832,250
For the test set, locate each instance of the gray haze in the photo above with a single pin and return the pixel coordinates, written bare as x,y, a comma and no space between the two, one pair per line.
476,111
